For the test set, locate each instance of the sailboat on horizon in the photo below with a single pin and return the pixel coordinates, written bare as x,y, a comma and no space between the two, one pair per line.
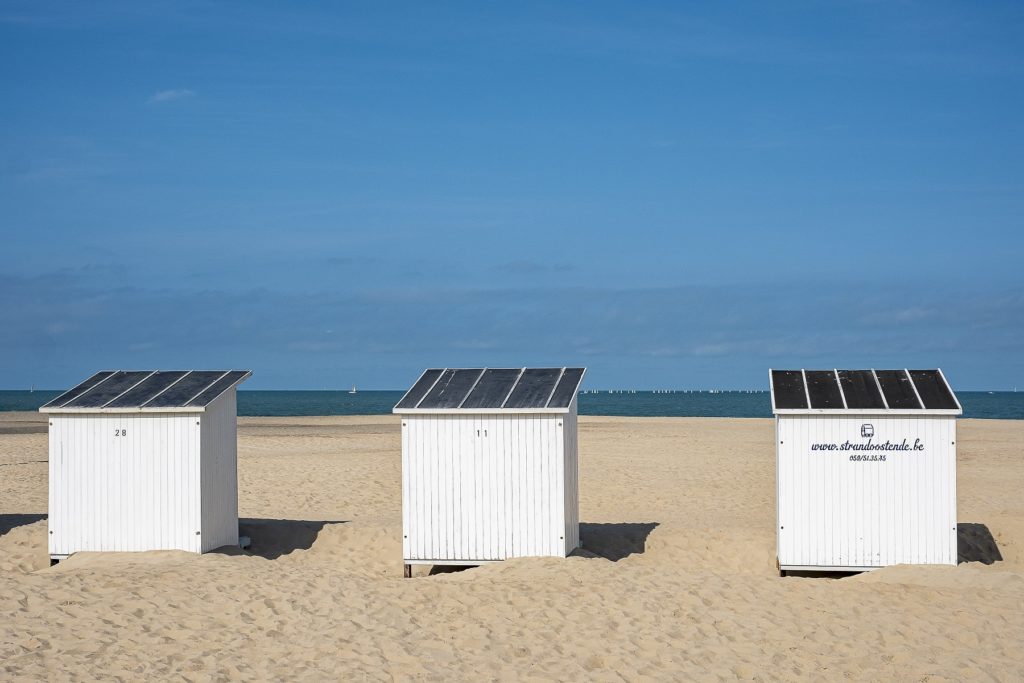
353,391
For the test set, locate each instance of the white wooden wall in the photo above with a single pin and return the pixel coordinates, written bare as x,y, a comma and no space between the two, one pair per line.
219,472
484,487
572,480
124,482
144,481
836,513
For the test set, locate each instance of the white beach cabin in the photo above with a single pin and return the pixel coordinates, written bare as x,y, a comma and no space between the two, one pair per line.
866,468
489,465
144,461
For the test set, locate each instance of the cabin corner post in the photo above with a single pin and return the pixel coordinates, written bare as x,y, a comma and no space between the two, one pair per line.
778,495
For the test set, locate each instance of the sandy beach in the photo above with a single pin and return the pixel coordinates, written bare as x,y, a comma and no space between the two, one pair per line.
677,579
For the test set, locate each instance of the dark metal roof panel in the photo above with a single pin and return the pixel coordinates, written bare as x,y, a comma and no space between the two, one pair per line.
788,390
217,388
863,390
451,389
567,388
78,390
534,388
898,389
823,388
933,390
147,389
152,390
190,386
420,389
493,389
106,391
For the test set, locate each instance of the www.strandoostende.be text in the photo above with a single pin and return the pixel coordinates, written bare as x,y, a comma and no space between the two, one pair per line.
869,446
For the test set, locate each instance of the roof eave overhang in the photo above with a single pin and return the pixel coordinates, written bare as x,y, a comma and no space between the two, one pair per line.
112,411
480,411
226,389
850,412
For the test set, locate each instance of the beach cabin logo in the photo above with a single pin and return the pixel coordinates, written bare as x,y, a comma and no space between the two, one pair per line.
867,431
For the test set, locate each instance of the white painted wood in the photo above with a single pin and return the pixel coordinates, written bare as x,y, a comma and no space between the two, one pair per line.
836,511
219,473
571,483
407,496
130,492
136,481
486,487
908,412
118,411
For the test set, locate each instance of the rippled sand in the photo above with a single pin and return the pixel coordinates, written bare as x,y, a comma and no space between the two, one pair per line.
677,580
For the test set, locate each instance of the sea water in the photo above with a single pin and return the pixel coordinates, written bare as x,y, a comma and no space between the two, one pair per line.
1005,405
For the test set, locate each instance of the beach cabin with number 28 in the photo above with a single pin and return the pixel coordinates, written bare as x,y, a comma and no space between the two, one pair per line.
866,468
489,465
144,461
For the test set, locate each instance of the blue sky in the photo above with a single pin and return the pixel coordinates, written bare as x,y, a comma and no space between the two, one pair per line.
673,196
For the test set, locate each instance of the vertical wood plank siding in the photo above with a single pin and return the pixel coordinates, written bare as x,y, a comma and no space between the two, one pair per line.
834,512
130,492
571,481
144,481
219,470
488,487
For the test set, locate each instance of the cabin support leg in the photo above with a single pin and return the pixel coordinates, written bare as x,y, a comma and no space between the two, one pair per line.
408,571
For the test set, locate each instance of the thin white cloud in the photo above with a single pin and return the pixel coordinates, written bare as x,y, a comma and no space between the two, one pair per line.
171,95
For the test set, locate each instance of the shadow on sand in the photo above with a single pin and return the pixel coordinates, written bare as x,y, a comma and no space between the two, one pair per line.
975,543
8,522
272,538
808,574
436,569
615,541
609,541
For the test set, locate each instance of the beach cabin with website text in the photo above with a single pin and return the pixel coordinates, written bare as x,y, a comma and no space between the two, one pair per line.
489,465
144,461
866,468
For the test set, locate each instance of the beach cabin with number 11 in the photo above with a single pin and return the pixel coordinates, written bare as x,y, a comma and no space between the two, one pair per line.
866,468
489,465
144,460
